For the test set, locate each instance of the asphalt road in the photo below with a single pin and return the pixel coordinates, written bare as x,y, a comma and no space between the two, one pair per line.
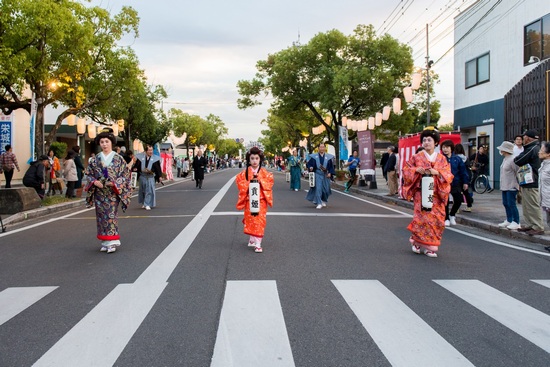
334,287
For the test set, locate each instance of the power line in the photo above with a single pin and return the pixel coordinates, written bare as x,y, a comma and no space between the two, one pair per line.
470,30
384,22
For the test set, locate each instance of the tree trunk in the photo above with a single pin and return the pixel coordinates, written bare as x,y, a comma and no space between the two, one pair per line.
39,132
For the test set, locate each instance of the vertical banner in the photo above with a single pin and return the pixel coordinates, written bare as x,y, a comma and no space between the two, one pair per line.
366,149
32,127
343,133
548,105
167,161
6,131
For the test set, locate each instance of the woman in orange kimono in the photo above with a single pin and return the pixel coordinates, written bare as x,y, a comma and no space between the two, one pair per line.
254,224
427,226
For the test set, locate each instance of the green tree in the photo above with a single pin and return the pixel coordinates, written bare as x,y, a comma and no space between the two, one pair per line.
334,74
229,147
418,106
55,48
182,122
213,129
143,120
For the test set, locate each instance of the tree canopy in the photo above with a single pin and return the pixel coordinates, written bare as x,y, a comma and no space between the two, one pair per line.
335,75
210,132
67,55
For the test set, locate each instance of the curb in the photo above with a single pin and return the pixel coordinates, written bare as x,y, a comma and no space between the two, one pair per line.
44,210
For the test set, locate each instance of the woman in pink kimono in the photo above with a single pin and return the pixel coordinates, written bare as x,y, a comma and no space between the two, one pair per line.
427,225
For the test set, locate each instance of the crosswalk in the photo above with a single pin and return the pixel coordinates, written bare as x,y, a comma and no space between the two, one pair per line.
390,322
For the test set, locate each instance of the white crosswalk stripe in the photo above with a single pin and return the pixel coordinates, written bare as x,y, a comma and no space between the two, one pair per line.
544,282
15,300
99,338
396,328
252,329
523,319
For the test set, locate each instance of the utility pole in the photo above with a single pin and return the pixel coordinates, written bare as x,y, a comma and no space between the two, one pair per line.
428,66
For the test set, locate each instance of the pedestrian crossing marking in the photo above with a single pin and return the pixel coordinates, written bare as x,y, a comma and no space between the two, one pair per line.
252,330
523,319
100,337
16,299
545,282
395,328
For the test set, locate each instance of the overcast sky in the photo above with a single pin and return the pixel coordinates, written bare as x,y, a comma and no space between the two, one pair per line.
199,50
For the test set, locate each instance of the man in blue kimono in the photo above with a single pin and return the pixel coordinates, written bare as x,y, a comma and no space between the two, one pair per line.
149,172
320,163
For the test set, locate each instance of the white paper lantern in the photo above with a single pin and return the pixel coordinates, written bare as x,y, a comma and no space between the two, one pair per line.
378,119
115,129
344,121
81,126
386,113
416,80
397,105
92,131
371,123
71,120
408,93
136,145
362,125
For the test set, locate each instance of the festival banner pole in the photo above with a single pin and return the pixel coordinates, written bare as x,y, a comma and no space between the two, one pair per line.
32,127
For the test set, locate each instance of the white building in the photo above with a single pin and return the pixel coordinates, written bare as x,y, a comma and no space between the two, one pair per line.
497,43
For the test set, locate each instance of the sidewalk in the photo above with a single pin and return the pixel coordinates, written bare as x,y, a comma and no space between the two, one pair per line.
487,210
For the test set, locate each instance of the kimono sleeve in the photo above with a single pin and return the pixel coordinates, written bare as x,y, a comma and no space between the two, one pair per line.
266,183
445,178
311,164
242,186
411,178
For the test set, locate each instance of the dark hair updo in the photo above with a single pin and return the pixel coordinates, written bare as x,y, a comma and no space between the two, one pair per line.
430,131
256,151
106,133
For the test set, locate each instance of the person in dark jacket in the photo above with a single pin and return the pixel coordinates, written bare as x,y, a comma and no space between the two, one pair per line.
35,176
383,162
529,163
460,180
79,167
391,171
199,164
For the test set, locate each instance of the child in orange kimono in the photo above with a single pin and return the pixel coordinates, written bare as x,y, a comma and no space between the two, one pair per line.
254,224
427,226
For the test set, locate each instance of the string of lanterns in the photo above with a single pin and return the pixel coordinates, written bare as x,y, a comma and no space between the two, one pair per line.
374,121
91,128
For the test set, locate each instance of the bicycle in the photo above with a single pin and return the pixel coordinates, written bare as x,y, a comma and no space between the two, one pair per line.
479,182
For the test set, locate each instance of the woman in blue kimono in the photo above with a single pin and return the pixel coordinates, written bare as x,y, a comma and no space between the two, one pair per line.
108,186
295,164
321,164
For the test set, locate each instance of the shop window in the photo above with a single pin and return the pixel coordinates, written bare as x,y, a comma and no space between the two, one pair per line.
478,71
536,41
